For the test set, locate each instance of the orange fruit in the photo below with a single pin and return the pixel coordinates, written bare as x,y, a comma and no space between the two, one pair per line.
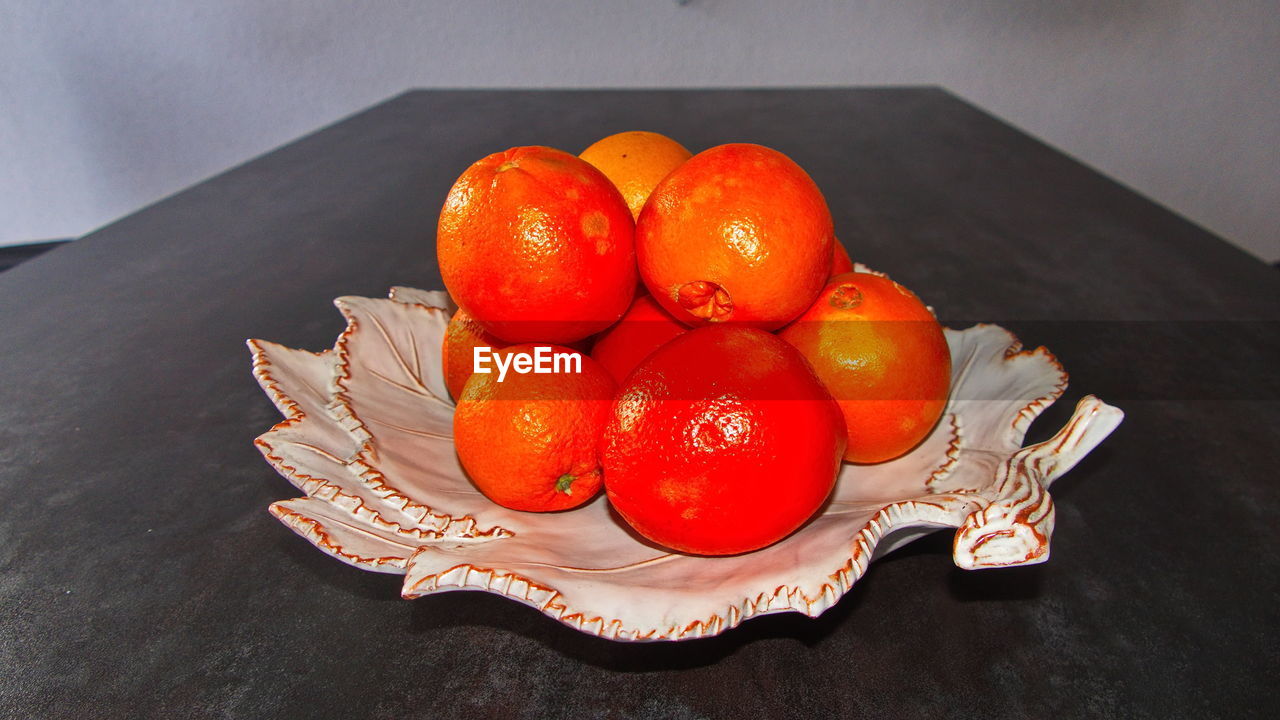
721,442
883,356
643,329
636,161
530,441
841,263
738,233
461,338
537,246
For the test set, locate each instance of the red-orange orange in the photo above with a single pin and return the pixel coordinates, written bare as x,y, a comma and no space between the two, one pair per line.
721,442
738,233
841,263
645,328
530,441
883,356
461,338
538,246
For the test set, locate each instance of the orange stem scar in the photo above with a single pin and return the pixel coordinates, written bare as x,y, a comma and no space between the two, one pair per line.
705,300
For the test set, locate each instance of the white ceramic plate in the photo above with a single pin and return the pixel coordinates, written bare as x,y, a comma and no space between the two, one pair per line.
368,439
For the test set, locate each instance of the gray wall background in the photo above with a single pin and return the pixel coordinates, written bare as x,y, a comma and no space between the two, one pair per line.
106,106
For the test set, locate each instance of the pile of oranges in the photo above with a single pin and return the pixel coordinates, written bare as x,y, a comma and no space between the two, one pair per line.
725,357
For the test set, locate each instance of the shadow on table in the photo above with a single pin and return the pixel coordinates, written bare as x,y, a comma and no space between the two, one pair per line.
455,610
321,569
12,256
475,609
468,609
450,610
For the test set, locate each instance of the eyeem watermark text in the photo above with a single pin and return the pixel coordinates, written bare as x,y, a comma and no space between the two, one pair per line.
542,361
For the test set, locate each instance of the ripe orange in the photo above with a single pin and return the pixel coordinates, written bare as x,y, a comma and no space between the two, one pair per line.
721,442
537,246
530,441
636,161
883,356
841,263
738,233
461,338
645,328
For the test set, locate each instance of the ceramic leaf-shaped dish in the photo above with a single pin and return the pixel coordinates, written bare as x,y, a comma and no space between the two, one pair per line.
367,437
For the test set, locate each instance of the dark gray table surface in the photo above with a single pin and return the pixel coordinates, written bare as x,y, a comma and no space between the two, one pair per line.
141,576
